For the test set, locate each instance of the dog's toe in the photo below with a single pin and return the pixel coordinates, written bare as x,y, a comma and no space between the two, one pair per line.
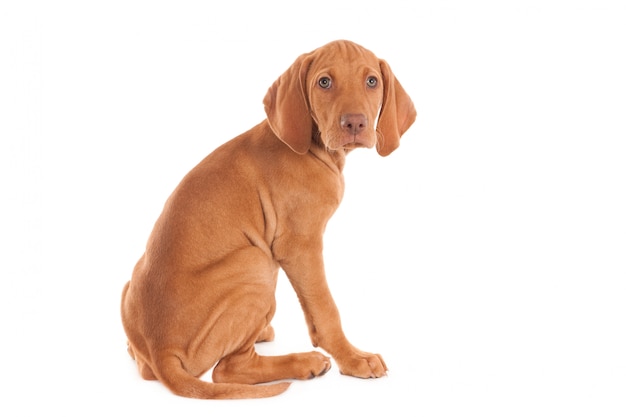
324,366
315,364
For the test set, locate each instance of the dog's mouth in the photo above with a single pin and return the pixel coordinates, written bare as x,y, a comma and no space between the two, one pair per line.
354,145
349,142
353,142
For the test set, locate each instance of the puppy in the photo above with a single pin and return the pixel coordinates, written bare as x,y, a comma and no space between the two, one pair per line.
202,294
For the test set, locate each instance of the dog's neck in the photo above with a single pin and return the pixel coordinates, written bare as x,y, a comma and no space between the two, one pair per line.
335,159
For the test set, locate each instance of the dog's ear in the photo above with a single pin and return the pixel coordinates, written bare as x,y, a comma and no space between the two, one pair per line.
396,115
287,106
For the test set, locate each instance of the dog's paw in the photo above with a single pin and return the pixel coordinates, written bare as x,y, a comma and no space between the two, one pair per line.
312,364
362,365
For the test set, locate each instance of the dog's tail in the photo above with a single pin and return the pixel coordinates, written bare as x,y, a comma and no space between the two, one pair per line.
180,382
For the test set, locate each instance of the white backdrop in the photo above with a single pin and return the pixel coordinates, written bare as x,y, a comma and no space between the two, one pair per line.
485,258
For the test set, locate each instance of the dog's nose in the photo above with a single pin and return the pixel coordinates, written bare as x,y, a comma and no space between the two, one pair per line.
353,123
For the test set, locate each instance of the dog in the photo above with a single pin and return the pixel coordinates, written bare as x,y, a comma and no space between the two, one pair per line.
202,294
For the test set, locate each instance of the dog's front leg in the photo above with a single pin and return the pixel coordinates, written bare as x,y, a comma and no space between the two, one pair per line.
305,271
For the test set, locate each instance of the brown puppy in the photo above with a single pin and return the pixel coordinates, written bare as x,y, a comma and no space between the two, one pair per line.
203,292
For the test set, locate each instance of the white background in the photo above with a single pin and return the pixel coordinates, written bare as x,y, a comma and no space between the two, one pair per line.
485,259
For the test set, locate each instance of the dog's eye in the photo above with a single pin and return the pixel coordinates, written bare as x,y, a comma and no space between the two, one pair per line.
324,82
372,81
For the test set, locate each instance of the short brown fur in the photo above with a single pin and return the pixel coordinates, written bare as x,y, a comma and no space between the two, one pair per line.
202,294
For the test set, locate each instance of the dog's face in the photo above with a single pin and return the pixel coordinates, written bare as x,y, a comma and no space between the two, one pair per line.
345,96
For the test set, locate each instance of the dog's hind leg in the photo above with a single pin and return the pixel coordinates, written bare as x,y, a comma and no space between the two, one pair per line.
144,370
250,368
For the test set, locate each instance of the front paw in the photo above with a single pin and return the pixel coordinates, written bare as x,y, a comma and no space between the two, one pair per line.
362,364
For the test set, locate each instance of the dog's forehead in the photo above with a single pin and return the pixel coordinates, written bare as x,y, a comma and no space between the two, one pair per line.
344,55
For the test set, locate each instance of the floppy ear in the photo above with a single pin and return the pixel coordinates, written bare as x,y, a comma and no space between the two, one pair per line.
287,106
396,115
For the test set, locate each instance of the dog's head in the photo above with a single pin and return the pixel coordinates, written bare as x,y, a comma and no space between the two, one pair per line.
342,95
